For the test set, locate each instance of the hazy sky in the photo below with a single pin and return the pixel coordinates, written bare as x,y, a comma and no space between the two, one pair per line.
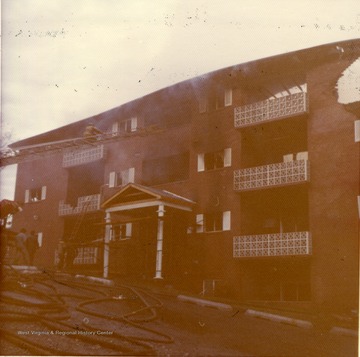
65,60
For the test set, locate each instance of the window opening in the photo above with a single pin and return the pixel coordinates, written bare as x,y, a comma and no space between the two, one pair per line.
214,160
35,194
213,222
121,231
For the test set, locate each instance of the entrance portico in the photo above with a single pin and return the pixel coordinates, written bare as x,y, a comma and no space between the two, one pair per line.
145,205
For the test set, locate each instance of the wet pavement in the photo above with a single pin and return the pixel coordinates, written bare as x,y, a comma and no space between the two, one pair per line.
48,313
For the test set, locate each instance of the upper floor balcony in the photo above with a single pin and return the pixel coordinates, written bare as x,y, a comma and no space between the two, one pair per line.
271,109
84,204
273,175
272,245
74,157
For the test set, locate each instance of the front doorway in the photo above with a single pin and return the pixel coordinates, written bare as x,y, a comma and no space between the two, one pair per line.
146,233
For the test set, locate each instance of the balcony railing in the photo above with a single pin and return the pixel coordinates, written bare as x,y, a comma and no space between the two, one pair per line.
279,174
272,245
74,157
86,255
271,109
84,204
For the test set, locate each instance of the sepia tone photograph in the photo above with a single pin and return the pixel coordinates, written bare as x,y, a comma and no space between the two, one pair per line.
180,178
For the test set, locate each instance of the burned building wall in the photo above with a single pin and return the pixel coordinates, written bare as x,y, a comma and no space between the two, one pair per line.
334,187
38,189
302,168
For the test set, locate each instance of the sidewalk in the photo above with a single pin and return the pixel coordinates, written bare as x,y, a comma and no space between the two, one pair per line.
335,323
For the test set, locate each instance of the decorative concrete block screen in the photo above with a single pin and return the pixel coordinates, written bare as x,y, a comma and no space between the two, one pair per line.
278,174
86,255
270,109
83,156
84,204
272,245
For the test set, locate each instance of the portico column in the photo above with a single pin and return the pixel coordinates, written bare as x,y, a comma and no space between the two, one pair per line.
159,242
106,244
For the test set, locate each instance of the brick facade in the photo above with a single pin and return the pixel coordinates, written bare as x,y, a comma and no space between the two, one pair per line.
264,150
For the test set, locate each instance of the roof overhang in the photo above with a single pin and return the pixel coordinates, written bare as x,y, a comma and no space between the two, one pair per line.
135,196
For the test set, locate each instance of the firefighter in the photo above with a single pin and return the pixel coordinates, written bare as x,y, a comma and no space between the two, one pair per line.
22,254
91,131
32,246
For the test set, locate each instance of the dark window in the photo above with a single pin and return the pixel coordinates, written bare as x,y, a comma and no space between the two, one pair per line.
216,99
125,126
118,232
214,222
166,169
214,160
128,125
35,194
118,179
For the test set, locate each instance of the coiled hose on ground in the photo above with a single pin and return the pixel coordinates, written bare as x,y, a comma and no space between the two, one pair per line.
113,319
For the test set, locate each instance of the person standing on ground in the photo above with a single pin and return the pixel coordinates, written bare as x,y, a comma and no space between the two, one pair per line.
22,255
32,246
61,255
70,255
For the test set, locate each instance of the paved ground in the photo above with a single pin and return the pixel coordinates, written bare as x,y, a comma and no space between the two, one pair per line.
52,314
241,334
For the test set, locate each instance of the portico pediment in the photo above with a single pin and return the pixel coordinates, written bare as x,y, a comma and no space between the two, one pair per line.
134,196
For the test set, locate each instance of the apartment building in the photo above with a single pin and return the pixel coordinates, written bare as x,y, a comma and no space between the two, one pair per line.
243,182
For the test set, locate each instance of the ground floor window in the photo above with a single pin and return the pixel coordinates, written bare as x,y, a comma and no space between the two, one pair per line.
276,281
294,291
121,231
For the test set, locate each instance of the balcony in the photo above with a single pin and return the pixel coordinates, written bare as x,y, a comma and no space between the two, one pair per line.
271,109
279,174
83,156
89,203
272,245
86,255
